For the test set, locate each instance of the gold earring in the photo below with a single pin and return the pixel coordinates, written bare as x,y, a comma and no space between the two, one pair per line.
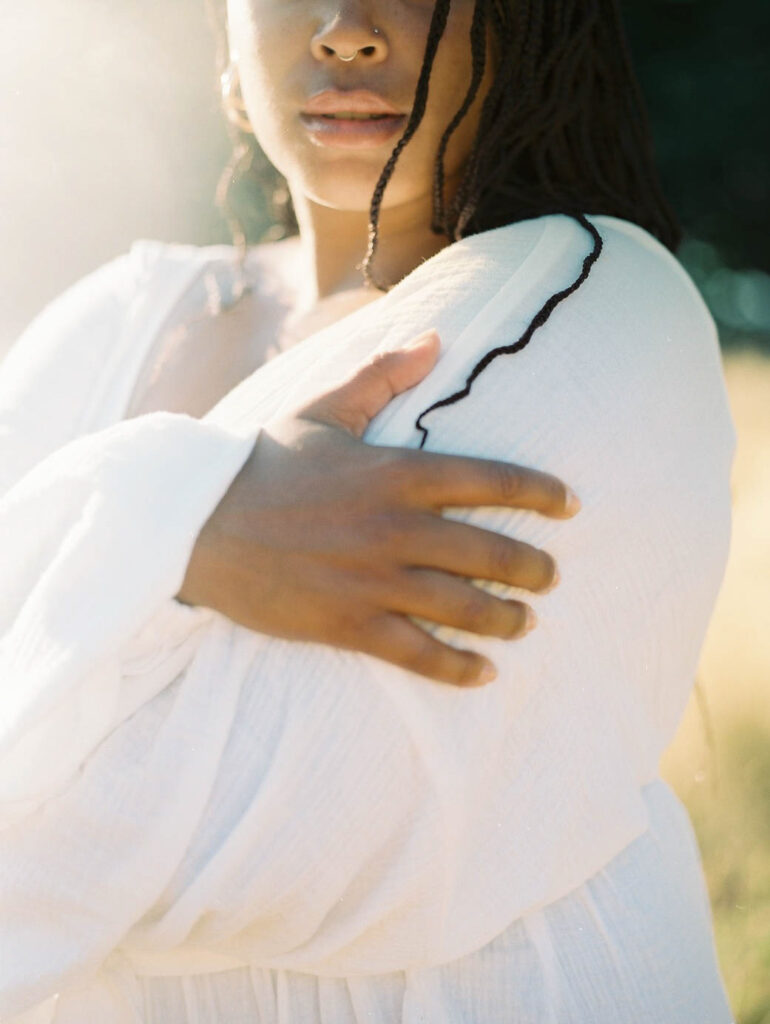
232,99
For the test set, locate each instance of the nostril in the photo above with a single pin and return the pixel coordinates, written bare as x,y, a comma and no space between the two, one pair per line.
367,50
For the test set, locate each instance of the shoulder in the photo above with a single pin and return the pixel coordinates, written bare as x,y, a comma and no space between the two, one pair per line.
76,334
633,292
643,305
638,283
54,378
265,268
632,249
627,252
220,322
644,317
636,333
633,274
63,349
89,309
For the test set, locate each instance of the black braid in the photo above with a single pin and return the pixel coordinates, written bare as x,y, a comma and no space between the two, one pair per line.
479,61
435,32
537,321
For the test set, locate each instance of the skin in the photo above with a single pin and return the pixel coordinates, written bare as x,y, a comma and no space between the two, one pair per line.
322,537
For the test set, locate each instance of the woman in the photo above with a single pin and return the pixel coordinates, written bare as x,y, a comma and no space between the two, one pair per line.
222,807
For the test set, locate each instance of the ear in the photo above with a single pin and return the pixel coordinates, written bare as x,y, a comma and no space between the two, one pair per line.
232,100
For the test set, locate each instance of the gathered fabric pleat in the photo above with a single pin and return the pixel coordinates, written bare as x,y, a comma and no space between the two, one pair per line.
630,946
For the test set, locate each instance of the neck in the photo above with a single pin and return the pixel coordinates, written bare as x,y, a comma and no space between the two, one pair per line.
334,243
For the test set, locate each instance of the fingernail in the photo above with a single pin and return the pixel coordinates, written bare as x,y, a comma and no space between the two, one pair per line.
487,673
573,502
554,583
530,622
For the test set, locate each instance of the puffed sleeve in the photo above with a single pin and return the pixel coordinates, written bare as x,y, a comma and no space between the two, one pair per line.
97,523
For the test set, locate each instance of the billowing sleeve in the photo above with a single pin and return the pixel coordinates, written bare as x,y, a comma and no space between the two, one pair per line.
96,529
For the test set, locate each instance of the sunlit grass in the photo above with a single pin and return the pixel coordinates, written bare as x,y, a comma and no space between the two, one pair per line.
720,762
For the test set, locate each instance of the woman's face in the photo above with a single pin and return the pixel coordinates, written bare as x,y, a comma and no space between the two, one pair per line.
288,52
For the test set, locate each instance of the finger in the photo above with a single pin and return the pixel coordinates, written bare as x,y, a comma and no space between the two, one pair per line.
439,481
355,402
450,601
395,639
434,542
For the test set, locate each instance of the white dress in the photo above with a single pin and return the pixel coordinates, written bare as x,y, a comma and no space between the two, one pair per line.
202,824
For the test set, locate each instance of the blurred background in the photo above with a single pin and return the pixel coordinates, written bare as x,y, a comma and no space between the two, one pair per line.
110,131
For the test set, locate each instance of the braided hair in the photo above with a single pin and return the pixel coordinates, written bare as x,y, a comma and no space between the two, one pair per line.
563,129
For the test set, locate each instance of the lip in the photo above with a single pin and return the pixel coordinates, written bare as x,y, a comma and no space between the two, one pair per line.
348,133
357,101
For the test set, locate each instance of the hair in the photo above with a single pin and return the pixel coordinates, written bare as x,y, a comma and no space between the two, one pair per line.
563,129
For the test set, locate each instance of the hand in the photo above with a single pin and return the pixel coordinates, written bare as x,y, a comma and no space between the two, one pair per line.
323,537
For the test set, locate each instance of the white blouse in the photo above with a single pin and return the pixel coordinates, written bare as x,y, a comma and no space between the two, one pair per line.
201,823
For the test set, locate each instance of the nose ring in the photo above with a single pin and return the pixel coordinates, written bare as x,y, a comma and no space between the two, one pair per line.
355,53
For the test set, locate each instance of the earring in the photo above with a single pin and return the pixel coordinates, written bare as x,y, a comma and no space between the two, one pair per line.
232,100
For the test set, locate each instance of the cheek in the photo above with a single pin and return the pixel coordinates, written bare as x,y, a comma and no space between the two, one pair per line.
268,48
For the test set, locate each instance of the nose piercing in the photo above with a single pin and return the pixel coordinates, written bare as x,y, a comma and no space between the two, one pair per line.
355,53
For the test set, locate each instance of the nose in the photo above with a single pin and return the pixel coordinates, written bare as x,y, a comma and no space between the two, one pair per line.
349,33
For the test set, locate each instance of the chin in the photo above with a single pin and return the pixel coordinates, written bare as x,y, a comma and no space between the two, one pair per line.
354,196
351,188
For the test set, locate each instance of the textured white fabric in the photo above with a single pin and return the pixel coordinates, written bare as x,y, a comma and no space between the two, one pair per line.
181,796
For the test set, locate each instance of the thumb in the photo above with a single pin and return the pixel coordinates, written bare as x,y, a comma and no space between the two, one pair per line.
355,402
